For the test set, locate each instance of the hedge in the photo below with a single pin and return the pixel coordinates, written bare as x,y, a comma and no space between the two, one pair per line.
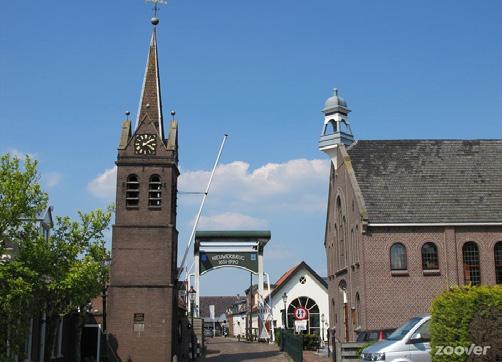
465,317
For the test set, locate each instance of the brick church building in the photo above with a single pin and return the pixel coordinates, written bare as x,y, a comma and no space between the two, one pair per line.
143,323
406,220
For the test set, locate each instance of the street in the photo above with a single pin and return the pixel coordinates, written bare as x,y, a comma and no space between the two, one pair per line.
229,350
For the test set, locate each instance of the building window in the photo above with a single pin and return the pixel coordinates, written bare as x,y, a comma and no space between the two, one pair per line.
357,244
398,260
303,280
154,192
132,191
472,272
341,235
498,262
358,310
313,321
343,251
430,257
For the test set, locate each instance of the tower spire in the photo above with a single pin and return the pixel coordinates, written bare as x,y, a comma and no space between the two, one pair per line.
150,104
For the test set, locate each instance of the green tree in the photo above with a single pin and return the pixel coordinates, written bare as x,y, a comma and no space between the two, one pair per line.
54,275
21,200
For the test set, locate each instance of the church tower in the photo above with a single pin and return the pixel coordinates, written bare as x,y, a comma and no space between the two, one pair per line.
142,311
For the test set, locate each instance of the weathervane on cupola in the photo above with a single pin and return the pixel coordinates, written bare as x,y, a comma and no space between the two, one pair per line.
336,129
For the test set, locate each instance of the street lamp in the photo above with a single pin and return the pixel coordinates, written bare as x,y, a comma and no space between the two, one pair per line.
192,295
322,329
284,300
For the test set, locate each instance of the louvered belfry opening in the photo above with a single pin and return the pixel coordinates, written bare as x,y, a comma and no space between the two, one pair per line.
132,191
154,192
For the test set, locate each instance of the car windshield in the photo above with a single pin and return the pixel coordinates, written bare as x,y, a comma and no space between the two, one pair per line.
402,331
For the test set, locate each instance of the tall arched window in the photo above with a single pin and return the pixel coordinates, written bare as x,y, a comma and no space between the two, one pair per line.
472,272
132,191
340,234
154,192
358,310
345,242
430,260
398,259
357,244
313,321
334,249
498,262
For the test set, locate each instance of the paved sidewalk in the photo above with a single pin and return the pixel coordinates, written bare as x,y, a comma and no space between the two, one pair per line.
310,356
220,349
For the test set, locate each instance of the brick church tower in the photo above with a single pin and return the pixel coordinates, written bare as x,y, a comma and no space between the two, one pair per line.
142,311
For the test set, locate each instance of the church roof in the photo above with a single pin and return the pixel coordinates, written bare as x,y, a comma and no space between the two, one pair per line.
430,181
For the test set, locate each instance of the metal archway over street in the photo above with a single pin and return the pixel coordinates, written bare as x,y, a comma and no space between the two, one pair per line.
233,249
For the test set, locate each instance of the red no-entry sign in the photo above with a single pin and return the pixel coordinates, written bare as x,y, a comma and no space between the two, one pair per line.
301,313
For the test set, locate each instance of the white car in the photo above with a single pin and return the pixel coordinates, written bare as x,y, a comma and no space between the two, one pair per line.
408,343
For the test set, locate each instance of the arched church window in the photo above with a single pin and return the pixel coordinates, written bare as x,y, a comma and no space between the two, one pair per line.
398,259
498,262
340,221
358,310
472,270
313,320
430,260
132,191
154,192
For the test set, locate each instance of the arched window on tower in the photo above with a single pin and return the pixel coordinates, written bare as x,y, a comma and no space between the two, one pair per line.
472,270
154,192
430,260
132,191
398,259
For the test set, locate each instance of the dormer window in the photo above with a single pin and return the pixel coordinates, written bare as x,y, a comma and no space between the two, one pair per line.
154,192
132,191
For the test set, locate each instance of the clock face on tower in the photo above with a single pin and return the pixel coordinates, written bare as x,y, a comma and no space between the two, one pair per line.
145,144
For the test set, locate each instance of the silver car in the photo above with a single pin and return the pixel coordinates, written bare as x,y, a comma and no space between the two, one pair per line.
408,343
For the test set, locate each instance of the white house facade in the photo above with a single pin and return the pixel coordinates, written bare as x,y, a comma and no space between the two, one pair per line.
305,295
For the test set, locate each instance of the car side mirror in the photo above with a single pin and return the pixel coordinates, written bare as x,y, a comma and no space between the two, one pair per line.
416,336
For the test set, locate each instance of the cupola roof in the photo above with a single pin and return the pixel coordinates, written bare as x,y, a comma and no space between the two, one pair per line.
335,103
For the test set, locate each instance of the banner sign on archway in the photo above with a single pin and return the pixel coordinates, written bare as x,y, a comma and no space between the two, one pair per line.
244,260
241,249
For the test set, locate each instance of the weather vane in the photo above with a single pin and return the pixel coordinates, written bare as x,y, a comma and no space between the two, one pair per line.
156,6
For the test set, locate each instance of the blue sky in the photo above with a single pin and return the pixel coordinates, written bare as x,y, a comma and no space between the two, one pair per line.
259,71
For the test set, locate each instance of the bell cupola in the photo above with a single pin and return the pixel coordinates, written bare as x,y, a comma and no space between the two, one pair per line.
336,129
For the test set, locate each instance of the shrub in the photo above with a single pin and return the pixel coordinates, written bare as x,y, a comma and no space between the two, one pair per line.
466,316
310,341
364,346
278,336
